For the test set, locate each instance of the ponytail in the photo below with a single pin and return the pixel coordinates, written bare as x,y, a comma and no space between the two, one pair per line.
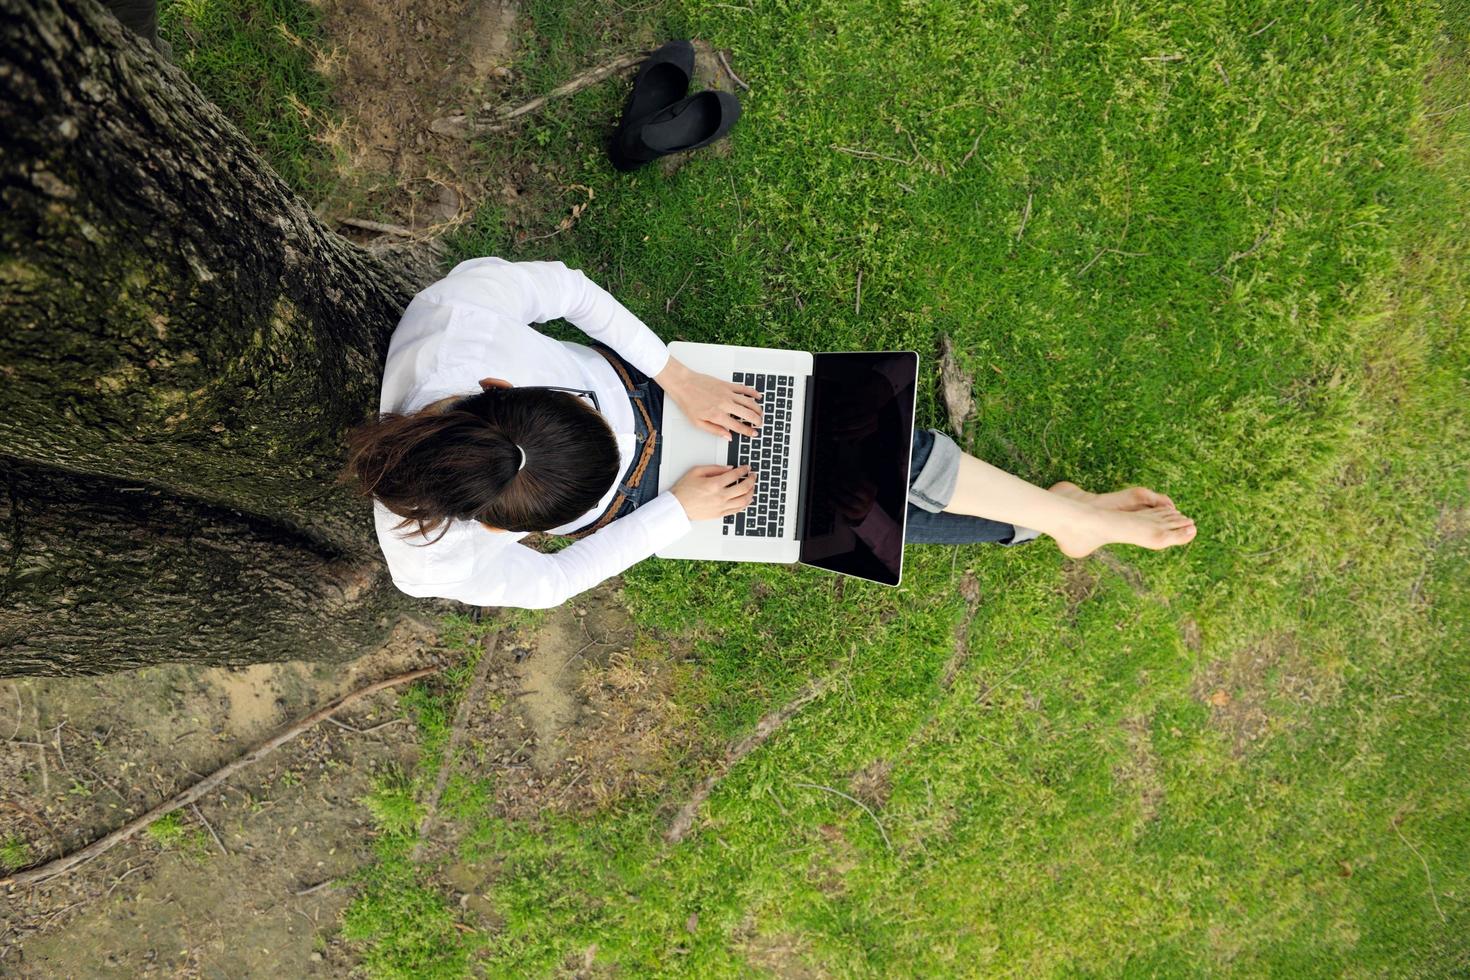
465,463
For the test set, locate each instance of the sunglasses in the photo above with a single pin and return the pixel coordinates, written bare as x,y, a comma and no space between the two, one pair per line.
581,392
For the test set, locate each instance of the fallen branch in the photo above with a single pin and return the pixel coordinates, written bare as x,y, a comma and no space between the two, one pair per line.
65,863
471,697
378,226
459,125
870,155
764,729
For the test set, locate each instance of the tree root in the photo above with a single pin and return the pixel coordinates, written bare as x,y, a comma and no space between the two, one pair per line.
66,862
472,696
764,729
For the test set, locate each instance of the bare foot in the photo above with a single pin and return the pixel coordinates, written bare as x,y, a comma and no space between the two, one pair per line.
1133,498
1136,515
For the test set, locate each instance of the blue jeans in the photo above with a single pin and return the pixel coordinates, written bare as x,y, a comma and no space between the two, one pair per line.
932,470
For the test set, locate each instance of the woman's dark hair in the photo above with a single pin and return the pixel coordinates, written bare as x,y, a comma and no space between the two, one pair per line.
431,467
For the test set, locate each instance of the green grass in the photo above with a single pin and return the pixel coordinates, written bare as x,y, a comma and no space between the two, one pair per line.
171,833
15,853
255,60
404,928
1242,279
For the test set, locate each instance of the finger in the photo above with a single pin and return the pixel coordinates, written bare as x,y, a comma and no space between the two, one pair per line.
708,470
749,413
744,390
737,504
736,474
713,429
742,488
742,427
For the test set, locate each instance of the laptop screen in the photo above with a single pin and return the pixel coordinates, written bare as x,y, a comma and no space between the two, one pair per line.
860,438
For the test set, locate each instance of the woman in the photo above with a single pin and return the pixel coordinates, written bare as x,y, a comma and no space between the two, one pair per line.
490,430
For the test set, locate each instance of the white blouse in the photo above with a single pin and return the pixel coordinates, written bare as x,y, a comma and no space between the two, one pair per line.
473,324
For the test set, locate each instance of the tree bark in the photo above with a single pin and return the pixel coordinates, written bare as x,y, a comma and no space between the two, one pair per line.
183,346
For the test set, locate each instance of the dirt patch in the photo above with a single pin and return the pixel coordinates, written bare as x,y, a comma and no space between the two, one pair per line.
1140,771
1189,632
119,744
1241,689
779,954
970,591
394,68
1079,583
873,783
578,714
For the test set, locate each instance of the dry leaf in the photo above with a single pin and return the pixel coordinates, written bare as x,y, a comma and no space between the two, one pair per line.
1220,698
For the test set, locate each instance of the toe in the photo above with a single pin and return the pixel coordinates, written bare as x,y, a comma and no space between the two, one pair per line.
1144,497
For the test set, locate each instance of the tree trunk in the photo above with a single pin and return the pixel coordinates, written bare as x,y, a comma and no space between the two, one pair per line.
183,346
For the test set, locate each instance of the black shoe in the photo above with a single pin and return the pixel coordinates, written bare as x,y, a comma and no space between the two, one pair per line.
688,124
662,80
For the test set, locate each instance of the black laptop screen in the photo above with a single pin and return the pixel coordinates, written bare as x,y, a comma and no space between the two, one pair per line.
861,436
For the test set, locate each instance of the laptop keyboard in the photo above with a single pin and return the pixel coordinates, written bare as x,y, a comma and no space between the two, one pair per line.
767,454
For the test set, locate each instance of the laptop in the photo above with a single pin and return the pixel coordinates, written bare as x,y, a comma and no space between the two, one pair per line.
831,459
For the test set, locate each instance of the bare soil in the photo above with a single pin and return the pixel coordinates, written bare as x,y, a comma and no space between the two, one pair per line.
110,747
394,68
579,715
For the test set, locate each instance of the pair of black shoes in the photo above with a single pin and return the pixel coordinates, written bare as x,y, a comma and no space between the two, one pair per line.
660,119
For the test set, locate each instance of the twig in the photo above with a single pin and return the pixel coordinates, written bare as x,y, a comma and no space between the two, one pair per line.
857,303
1446,112
60,755
731,72
568,662
973,147
313,889
860,803
209,827
739,208
470,698
1262,30
1221,69
1025,217
1429,879
20,708
119,879
669,303
869,155
1165,57
365,731
378,226
1270,223
63,864
1104,251
504,119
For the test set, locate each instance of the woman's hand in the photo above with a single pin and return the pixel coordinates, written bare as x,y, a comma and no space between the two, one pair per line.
718,407
708,492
